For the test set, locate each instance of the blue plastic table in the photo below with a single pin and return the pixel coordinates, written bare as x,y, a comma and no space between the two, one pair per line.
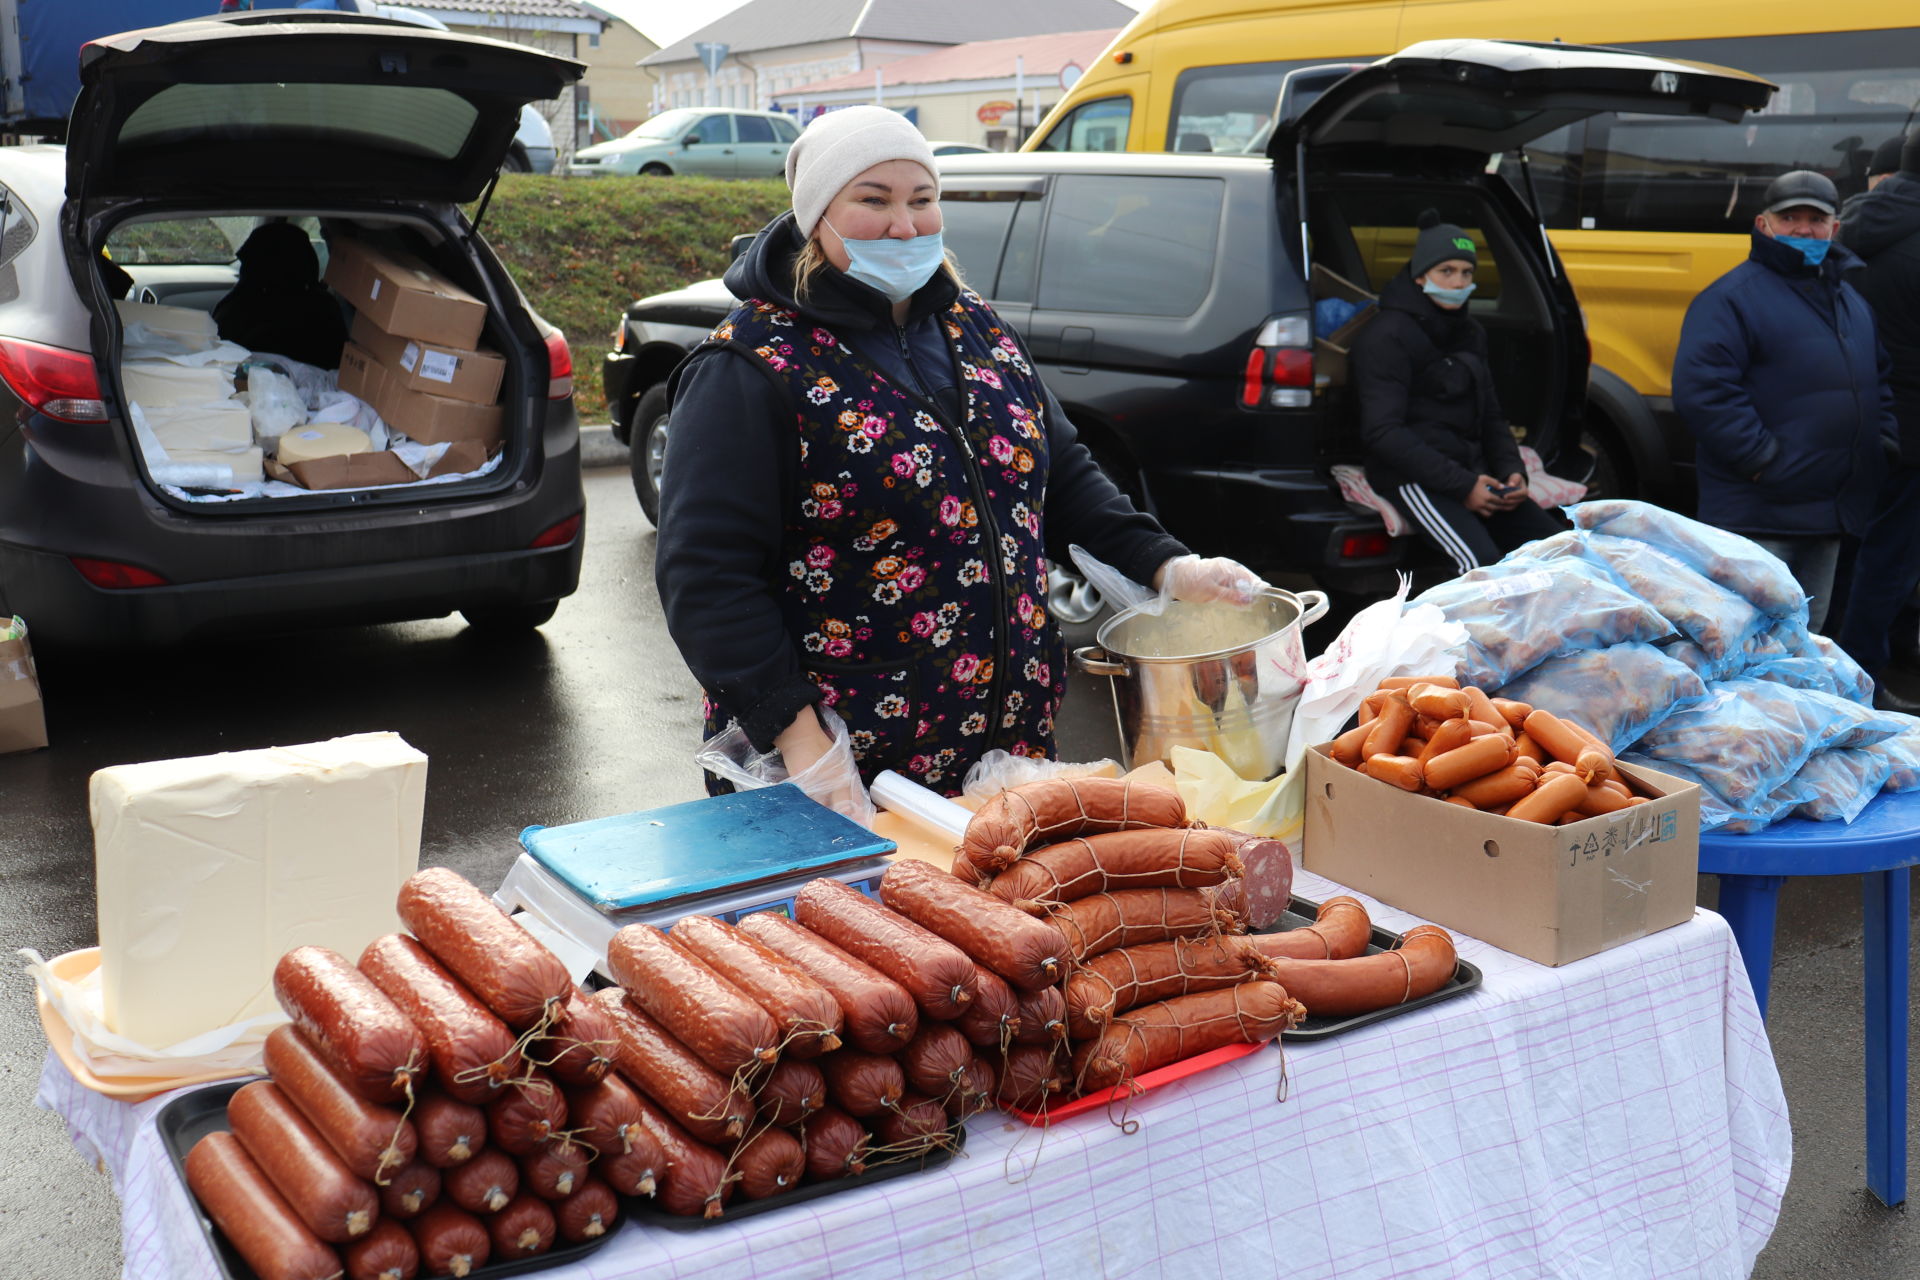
1879,845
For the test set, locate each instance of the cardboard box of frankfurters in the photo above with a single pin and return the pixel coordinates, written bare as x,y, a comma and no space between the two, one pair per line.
1551,894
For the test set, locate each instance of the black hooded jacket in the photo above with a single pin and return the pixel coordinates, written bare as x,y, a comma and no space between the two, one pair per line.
731,473
1428,413
1882,227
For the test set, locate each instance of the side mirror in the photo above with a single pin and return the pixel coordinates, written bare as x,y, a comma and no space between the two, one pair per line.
690,139
740,244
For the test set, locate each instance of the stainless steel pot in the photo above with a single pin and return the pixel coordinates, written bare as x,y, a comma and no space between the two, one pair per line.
1215,676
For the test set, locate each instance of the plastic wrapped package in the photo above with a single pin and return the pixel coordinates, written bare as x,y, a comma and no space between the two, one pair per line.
1748,736
1864,725
997,770
1800,673
833,780
1704,612
1716,813
1773,642
1520,613
1739,564
1850,679
1841,781
1616,693
1696,660
1903,759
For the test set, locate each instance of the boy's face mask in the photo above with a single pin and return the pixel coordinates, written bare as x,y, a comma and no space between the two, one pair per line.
1448,297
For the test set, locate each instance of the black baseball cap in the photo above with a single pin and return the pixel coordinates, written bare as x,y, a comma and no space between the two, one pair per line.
1802,188
1886,156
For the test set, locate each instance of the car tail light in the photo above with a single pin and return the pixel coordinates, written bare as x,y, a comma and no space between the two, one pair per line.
560,534
115,576
559,366
59,383
1279,370
1365,546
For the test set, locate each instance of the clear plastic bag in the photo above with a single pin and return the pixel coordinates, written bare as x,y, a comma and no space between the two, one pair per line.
997,770
1850,679
1739,564
1841,781
1696,660
1902,754
1774,642
1716,813
1520,613
1799,673
1616,693
1708,614
273,400
1864,726
1747,736
833,780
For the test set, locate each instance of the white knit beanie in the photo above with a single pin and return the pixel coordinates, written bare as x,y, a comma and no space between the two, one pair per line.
841,145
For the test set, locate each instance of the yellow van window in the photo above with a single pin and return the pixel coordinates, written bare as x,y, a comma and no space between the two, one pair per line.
1100,125
1228,108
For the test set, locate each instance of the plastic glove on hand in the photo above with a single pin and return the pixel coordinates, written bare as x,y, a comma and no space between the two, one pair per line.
1198,579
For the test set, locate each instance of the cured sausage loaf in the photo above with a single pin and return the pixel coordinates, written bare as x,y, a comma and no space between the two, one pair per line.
450,1131
1422,964
386,1253
531,1113
1043,1017
483,1184
809,1017
555,1170
936,1062
581,1042
588,1213
1340,931
975,1091
862,1084
1118,980
1129,917
1264,889
524,1229
712,1108
351,1022
335,1205
694,1179
836,1144
508,968
1027,952
701,1009
993,1019
254,1217
793,1091
880,1015
415,1187
1186,858
1037,813
1157,1034
1027,1078
637,1173
370,1139
770,1162
937,974
604,1117
913,1128
473,1053
452,1242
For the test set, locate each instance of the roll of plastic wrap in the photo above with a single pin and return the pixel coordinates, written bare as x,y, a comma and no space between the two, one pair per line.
321,440
904,796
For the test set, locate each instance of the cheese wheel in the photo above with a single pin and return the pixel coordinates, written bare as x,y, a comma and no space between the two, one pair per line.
321,440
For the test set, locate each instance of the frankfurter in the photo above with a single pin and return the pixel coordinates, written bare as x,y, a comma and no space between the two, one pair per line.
698,1007
385,1253
335,1205
370,1139
1422,964
1115,981
1389,727
1341,929
509,969
532,1113
862,1084
770,1162
351,1023
1402,771
589,1213
1554,795
1407,682
450,1131
452,1242
1027,952
810,1019
581,1042
1347,748
1437,700
1043,1017
1157,1034
713,1108
1129,917
413,1188
1477,759
472,1051
483,1184
1501,787
254,1217
880,1015
553,1172
1037,813
836,1144
1185,858
604,1117
937,974
793,1091
1027,1079
1452,734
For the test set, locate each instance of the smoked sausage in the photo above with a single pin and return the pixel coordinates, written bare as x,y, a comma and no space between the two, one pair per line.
809,1017
836,1144
1037,813
452,1242
524,1229
1341,930
1422,964
351,1023
937,974
1028,1077
604,1117
1028,953
531,1113
335,1205
1184,858
698,1007
588,1213
1155,1035
1129,917
1118,980
473,1053
770,1162
793,1091
936,1062
415,1187
483,1184
975,1093
694,1094
370,1139
862,1084
911,1129
695,1180
993,1019
450,1131
254,1217
581,1042
1043,1017
509,969
386,1253
555,1170
880,1015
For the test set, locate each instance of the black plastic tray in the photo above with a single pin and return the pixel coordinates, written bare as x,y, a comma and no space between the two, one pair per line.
193,1116
1301,912
645,1211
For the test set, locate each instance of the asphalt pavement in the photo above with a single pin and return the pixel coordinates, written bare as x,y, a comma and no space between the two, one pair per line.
595,715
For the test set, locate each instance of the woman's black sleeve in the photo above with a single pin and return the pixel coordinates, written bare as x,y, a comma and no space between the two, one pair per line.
730,463
1085,507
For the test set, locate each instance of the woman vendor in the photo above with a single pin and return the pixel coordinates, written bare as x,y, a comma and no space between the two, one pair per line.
1437,443
864,479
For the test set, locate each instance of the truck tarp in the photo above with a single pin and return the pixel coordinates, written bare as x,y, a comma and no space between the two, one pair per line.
40,93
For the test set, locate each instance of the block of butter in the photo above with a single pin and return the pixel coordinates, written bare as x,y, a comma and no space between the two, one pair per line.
208,869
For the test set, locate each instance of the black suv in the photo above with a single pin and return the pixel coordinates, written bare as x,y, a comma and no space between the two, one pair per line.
1170,299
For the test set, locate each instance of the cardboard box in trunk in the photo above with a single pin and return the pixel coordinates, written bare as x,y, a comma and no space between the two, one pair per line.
403,295
433,367
427,418
1330,350
363,470
1551,894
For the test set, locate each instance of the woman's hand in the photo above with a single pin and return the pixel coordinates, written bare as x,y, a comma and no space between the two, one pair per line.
1196,579
802,742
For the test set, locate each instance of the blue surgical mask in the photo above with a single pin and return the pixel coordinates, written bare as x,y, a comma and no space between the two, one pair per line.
1814,251
1452,297
896,268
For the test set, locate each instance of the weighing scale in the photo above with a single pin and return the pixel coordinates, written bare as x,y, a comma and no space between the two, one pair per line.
577,885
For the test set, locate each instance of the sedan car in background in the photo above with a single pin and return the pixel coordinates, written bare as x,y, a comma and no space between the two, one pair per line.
711,143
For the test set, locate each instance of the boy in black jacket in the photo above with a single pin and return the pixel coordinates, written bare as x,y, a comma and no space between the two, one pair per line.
1436,440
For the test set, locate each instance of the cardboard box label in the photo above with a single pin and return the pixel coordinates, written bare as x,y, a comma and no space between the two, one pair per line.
440,366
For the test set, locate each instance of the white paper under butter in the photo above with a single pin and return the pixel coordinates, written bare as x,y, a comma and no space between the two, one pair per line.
210,868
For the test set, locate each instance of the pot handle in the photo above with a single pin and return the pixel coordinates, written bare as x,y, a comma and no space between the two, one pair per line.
1313,606
1093,660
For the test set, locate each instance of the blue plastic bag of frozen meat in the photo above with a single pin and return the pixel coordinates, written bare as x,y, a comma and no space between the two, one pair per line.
1716,813
1865,725
1747,736
1801,673
1695,658
1771,642
1616,693
1842,782
1850,679
1519,614
1739,564
1903,759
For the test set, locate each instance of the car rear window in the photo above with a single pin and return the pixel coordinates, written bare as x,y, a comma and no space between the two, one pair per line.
413,121
1131,245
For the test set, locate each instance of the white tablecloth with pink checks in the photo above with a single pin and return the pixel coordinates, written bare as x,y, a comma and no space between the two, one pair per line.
1617,1117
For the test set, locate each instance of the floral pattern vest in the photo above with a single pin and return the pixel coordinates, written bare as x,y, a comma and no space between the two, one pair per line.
914,585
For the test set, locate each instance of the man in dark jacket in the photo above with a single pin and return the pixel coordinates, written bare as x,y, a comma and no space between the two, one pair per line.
1782,382
1883,229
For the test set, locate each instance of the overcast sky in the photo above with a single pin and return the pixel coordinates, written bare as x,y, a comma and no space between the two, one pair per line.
665,21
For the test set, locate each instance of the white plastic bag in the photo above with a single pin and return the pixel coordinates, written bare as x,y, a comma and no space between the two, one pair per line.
997,770
833,780
273,400
108,1054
